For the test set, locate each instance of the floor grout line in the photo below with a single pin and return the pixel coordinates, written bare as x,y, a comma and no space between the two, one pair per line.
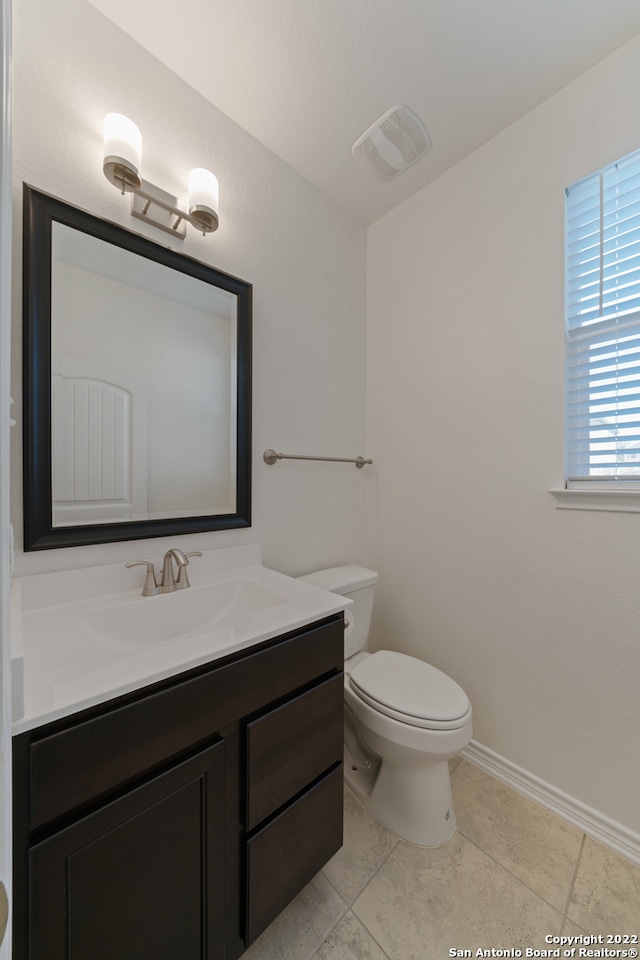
518,879
350,902
374,874
349,906
378,945
316,950
565,915
338,921
356,868
335,927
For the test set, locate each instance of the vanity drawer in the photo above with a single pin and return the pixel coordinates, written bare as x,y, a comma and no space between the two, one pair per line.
89,760
285,855
291,746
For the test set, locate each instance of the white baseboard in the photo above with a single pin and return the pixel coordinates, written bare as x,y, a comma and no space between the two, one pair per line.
589,821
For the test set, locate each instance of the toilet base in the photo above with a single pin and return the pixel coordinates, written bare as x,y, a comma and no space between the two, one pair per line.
413,802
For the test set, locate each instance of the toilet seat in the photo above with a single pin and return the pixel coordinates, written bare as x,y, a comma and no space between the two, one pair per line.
411,691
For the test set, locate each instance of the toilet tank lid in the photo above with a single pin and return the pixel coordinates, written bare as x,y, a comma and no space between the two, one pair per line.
342,579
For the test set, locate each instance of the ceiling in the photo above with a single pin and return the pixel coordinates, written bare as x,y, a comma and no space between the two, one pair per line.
307,77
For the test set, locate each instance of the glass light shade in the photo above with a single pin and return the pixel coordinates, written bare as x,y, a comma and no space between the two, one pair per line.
122,151
203,199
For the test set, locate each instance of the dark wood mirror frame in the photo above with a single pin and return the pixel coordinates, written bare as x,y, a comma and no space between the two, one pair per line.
40,211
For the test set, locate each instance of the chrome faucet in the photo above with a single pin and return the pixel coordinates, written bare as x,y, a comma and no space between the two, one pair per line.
182,559
150,587
168,582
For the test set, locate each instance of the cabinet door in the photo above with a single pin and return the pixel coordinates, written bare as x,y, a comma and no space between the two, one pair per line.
141,878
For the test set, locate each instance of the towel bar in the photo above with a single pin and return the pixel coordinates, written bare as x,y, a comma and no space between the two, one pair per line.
270,457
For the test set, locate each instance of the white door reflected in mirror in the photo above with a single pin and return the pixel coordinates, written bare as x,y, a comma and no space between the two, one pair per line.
143,363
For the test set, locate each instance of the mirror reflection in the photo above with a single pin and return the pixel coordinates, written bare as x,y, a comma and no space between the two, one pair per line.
142,364
137,385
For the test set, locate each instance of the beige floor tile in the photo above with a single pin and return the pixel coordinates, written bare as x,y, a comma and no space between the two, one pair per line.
423,902
367,844
302,927
571,929
533,844
350,941
606,895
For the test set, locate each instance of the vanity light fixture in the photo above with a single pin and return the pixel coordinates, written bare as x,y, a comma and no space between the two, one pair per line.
121,165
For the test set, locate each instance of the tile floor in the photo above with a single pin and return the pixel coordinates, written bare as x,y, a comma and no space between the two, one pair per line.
512,874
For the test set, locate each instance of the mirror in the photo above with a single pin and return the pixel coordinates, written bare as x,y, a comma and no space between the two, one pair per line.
137,385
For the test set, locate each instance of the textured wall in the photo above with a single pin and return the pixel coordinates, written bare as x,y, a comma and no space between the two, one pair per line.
305,258
533,610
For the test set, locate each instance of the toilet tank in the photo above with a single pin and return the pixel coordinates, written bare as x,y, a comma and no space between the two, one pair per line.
358,584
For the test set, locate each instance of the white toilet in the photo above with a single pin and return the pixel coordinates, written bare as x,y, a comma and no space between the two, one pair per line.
404,720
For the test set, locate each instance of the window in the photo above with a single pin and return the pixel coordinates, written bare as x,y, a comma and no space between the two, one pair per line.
603,328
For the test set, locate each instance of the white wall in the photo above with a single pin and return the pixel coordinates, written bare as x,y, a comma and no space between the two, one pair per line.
305,258
534,610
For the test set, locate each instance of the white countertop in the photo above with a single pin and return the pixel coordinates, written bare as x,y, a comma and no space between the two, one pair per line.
62,665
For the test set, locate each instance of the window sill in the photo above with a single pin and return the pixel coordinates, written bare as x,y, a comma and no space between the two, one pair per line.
620,501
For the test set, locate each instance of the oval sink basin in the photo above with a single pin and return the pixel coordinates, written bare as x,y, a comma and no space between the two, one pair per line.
168,616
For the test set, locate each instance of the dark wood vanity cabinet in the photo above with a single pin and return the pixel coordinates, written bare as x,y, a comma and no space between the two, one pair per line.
143,876
294,798
180,820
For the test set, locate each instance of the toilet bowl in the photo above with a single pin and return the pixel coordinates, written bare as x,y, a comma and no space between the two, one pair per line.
404,720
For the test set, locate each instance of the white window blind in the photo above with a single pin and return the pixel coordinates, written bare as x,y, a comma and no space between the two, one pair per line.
603,326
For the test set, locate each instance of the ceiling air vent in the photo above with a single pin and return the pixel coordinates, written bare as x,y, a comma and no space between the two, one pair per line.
391,144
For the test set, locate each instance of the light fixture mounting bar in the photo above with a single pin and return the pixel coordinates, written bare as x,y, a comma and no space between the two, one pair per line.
156,206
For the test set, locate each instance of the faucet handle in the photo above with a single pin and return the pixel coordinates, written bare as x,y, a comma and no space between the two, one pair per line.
150,585
182,581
